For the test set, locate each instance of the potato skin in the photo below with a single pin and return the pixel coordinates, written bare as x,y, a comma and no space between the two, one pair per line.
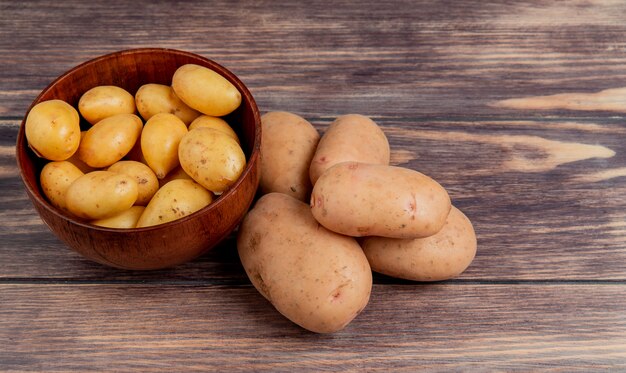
442,256
318,279
159,142
53,130
358,199
288,144
56,178
105,101
216,123
101,194
109,140
153,99
350,137
147,182
126,219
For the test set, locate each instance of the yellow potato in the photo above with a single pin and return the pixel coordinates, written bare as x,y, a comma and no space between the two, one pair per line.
159,142
439,257
126,219
211,158
359,199
216,123
147,181
109,140
53,130
105,101
153,99
288,142
205,90
316,278
56,178
175,200
176,174
351,137
101,194
75,160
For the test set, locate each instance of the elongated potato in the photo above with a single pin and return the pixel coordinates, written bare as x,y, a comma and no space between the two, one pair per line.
205,90
101,194
351,137
289,142
441,256
159,142
358,199
109,140
175,200
147,181
318,279
105,101
216,123
53,130
211,158
153,99
56,178
126,219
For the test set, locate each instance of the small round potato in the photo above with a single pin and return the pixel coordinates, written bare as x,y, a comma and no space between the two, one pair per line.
159,142
101,194
56,178
105,101
316,278
53,130
109,140
289,142
175,200
351,137
215,123
211,158
439,257
153,99
126,219
205,90
358,199
147,182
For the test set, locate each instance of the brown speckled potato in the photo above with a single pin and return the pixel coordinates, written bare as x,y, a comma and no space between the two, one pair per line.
289,142
101,194
351,137
153,99
105,101
56,178
318,279
358,199
53,130
439,257
109,140
147,181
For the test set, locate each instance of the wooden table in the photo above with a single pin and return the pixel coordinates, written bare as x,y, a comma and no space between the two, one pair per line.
542,179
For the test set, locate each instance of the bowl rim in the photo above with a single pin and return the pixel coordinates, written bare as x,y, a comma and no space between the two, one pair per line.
230,192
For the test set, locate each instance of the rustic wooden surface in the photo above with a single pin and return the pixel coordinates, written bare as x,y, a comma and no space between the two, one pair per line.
543,179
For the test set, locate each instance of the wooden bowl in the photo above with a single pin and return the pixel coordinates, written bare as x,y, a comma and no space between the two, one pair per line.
167,244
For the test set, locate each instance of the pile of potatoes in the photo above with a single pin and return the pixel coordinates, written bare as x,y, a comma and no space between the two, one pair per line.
305,257
122,173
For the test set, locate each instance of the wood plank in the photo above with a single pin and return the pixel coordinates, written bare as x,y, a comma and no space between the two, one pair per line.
459,327
542,206
406,58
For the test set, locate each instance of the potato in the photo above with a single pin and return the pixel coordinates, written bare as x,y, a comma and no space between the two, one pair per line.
147,181
176,174
175,200
56,178
216,123
205,90
439,257
101,194
351,137
359,199
318,279
288,142
109,140
211,158
153,99
159,142
126,219
105,101
53,130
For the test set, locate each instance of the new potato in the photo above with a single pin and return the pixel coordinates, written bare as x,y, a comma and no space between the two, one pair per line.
159,142
126,219
441,256
216,123
105,101
101,194
53,130
153,99
289,142
350,137
56,178
205,90
358,199
316,278
109,140
147,181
